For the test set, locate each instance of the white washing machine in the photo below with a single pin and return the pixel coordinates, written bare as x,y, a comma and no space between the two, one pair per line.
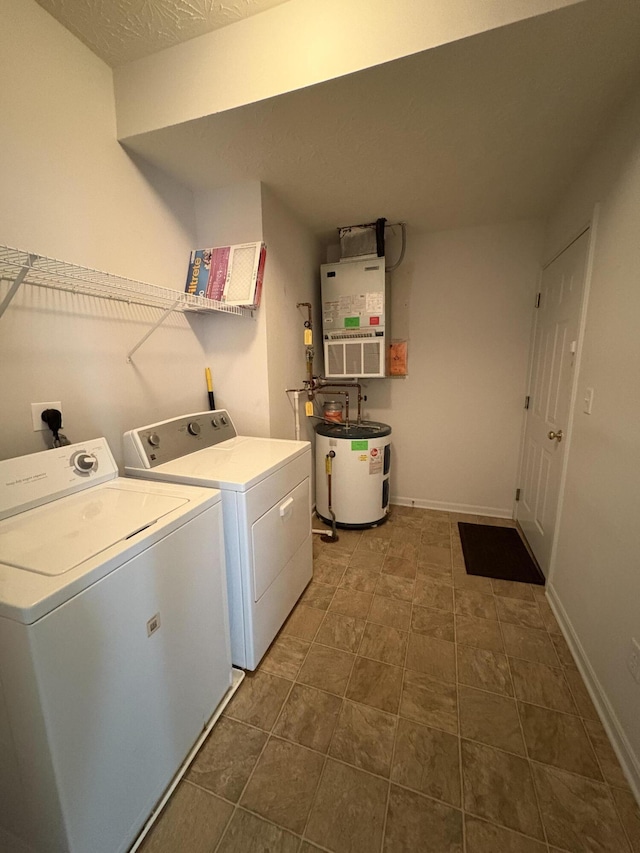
266,503
114,645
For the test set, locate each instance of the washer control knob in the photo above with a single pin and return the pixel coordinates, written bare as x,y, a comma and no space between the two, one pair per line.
84,462
194,428
154,439
215,423
224,420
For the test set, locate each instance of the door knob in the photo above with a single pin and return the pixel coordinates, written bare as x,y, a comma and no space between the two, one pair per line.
557,435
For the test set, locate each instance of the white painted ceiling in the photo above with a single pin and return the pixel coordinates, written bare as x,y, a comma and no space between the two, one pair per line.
119,31
489,128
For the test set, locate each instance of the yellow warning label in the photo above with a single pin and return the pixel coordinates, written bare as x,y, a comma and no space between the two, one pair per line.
363,457
308,337
308,408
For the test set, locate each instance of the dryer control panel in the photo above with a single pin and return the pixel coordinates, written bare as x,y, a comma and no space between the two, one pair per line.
155,444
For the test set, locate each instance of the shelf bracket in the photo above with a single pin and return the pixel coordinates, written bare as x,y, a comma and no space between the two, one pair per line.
15,287
155,326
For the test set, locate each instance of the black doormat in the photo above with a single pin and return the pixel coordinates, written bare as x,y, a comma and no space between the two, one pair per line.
497,552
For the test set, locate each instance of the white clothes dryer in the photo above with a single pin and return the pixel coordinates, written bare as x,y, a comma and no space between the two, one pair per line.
114,645
266,504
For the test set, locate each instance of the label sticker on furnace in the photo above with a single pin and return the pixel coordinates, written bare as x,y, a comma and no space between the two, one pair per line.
375,461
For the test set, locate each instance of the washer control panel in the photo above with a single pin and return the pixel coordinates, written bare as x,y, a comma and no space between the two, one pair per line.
28,481
168,440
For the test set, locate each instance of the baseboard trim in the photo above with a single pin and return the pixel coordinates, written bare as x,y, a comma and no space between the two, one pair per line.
623,749
467,509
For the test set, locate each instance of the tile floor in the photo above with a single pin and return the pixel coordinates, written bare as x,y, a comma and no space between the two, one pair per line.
406,706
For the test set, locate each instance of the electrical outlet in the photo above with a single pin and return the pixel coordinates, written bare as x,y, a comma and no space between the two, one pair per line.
36,414
633,661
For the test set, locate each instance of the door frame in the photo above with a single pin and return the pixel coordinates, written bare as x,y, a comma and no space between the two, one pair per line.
591,225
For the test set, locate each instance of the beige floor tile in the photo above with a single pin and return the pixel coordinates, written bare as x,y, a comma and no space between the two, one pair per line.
529,644
285,656
558,739
348,811
399,567
484,669
258,700
407,532
428,761
490,719
227,758
540,684
437,556
376,684
327,556
329,572
416,823
578,813
512,589
341,632
402,550
192,820
308,717
358,579
498,786
349,602
246,832
433,623
563,651
518,612
469,602
483,837
548,617
432,657
475,583
284,783
383,643
369,560
327,669
581,696
436,535
348,541
389,611
605,754
303,622
431,593
442,574
375,545
318,595
480,633
429,515
430,702
364,737
393,587
629,812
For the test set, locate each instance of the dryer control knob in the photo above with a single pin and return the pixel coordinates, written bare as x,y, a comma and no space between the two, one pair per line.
154,439
224,421
194,428
84,462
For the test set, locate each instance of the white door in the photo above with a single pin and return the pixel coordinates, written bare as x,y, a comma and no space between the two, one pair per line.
553,367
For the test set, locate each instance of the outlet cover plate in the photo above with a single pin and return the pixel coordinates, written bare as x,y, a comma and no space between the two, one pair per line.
36,414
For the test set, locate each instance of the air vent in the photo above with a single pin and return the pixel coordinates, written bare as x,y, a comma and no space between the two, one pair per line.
354,358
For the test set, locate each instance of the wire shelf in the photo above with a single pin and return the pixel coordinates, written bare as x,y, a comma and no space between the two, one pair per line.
20,266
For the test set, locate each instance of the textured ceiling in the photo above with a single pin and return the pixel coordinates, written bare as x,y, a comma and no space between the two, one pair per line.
486,129
119,31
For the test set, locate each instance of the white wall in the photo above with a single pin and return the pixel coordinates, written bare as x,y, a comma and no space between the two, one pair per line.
595,577
292,276
236,347
70,191
294,45
464,301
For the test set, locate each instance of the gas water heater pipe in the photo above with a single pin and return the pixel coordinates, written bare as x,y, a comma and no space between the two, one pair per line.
329,469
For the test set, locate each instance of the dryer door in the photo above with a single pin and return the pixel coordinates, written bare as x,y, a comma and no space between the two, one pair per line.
277,535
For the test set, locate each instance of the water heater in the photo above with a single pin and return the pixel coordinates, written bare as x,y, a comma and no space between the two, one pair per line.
354,314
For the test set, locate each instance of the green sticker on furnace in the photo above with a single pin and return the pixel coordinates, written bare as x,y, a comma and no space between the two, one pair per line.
352,322
359,445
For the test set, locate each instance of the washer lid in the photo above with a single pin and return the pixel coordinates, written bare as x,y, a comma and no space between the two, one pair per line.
54,538
236,464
